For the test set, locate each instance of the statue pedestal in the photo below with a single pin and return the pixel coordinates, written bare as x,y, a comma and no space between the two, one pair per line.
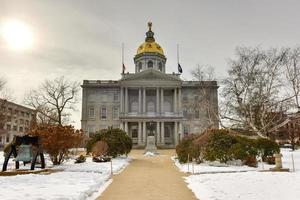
150,146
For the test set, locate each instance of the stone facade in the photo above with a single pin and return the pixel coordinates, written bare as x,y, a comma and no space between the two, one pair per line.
16,120
150,101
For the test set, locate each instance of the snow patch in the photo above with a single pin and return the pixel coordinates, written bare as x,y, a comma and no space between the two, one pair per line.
250,185
77,182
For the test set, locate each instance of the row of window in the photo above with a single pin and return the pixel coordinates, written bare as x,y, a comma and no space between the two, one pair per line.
5,138
150,65
92,129
16,112
103,113
16,121
196,113
15,128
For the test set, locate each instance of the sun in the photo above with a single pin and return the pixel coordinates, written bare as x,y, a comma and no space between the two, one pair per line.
17,35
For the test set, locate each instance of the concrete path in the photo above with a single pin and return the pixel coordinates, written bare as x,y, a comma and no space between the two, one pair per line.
149,178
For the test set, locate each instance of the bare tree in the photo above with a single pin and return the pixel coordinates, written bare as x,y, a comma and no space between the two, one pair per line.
205,75
253,89
2,106
2,83
292,72
53,100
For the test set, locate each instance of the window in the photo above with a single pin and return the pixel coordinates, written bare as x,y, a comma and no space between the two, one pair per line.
20,129
7,138
15,128
150,64
167,106
160,66
197,114
185,130
115,113
116,97
26,122
185,114
8,127
91,129
134,133
103,113
103,127
92,112
27,115
150,106
185,99
21,121
22,114
140,66
134,106
196,98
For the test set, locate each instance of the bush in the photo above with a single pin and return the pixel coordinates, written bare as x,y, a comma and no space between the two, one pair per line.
56,140
250,160
118,141
187,148
267,147
218,146
244,148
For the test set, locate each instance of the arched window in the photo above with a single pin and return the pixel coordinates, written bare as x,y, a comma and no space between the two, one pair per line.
150,106
134,106
160,66
140,66
167,107
150,64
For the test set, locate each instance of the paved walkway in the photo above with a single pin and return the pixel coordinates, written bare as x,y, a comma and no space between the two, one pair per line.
149,178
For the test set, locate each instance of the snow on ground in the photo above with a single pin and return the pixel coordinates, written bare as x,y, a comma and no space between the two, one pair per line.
149,153
77,181
250,185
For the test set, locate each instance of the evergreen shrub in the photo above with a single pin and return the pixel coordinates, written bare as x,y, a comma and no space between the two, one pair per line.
119,143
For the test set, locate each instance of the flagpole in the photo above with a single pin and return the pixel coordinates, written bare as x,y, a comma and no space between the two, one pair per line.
122,57
177,53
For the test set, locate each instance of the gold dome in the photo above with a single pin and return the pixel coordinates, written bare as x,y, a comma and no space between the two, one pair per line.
151,47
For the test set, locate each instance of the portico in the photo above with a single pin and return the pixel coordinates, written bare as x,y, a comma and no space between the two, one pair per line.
151,104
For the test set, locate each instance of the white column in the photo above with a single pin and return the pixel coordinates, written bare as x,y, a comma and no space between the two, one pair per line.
126,127
144,100
179,101
175,133
162,101
140,133
140,100
180,130
162,133
157,101
122,126
175,101
126,100
157,133
121,100
144,132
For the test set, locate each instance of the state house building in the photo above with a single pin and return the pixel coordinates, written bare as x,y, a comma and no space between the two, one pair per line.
150,101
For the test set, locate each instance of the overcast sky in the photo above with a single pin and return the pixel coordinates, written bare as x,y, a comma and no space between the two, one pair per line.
82,39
